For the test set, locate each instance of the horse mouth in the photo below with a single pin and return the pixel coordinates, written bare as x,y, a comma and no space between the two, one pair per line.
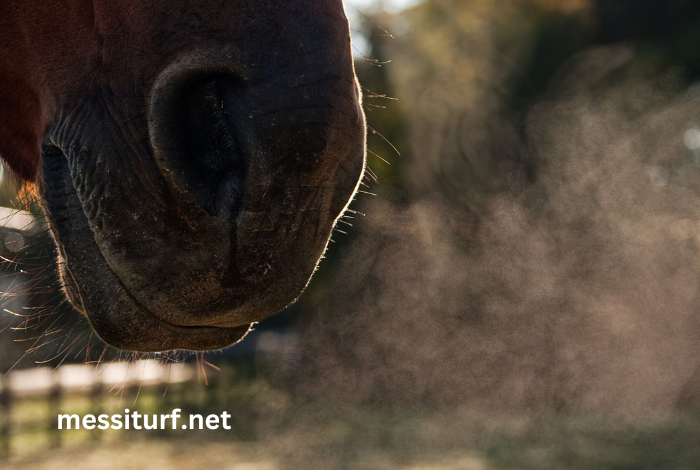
97,292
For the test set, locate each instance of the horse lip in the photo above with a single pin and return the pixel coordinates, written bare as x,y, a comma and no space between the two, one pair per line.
161,335
134,327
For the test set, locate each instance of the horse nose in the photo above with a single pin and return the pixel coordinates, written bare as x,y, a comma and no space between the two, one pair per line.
197,123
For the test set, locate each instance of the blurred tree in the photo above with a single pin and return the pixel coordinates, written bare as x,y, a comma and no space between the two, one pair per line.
467,73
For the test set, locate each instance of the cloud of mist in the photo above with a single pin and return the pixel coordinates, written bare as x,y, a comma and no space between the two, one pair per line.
577,291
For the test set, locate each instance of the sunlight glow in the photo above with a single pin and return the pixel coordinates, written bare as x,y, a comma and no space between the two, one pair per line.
388,5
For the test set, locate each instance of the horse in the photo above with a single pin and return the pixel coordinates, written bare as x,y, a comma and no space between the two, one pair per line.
192,157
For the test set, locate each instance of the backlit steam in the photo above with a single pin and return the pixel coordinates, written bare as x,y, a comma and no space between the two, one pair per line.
578,291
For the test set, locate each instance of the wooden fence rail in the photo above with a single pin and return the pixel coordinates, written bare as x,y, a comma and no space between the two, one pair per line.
52,391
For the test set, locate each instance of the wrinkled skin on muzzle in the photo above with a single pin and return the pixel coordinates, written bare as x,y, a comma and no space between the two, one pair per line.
193,157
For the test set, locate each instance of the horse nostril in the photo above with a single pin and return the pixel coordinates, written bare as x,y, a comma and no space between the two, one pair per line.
212,145
196,127
212,149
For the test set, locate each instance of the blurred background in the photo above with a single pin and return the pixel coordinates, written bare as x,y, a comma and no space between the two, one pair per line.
518,286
